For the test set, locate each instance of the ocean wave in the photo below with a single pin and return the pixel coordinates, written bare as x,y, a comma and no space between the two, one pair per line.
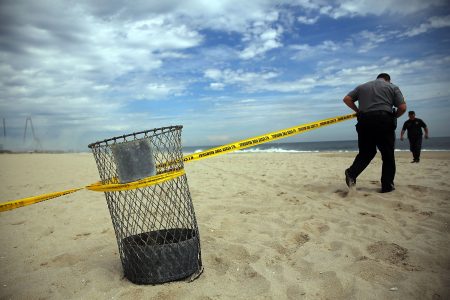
274,150
258,150
281,150
424,150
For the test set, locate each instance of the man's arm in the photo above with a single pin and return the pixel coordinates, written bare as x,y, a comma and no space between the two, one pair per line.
425,128
349,102
400,110
401,134
403,131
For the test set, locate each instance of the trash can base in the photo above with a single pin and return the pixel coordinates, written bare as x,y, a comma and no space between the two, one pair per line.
161,256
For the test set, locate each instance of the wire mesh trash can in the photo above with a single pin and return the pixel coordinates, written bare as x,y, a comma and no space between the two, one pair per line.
155,225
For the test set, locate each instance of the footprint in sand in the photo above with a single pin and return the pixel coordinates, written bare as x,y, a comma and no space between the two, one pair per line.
242,193
64,260
426,213
418,188
392,254
373,271
378,216
48,231
316,227
247,211
388,252
221,262
342,193
405,207
293,292
297,239
220,265
18,223
81,235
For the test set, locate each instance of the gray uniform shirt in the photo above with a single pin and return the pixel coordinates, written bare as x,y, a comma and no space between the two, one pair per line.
377,95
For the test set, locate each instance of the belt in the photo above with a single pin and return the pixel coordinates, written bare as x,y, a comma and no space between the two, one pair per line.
376,113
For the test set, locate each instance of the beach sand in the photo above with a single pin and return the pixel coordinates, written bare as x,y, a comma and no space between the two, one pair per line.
272,226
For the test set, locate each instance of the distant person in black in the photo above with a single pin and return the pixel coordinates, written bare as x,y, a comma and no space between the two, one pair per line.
414,126
376,127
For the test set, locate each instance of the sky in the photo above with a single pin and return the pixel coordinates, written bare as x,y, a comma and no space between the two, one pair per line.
84,71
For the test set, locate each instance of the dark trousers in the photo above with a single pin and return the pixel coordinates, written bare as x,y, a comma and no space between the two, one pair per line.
415,145
376,131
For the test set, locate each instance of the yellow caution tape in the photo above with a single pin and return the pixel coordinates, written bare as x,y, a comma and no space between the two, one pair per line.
32,200
114,186
266,138
98,187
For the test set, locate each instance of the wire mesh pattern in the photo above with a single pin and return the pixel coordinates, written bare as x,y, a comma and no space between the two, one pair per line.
155,226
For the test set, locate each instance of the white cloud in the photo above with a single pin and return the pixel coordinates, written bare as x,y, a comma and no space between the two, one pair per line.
363,41
159,90
230,15
306,51
401,71
261,38
217,86
308,21
368,40
53,54
247,100
302,85
432,23
351,8
214,74
246,80
82,65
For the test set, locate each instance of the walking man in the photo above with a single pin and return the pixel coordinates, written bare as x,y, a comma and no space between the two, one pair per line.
414,126
376,127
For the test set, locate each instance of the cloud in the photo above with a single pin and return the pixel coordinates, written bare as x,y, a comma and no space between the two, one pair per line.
352,8
230,15
368,40
306,51
435,22
307,21
217,86
331,75
101,51
239,77
267,41
261,37
364,41
58,59
110,65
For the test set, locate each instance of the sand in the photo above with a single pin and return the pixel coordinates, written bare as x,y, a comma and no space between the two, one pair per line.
272,226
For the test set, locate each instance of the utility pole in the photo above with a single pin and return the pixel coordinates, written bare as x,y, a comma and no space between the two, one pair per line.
36,140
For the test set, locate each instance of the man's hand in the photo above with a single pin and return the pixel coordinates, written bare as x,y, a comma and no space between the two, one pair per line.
426,135
401,138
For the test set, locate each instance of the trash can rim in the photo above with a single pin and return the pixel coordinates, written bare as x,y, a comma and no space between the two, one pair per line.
154,130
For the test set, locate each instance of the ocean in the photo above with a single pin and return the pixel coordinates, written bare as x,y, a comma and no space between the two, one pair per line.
431,144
